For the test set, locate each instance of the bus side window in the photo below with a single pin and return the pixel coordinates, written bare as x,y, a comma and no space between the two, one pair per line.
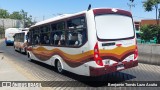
69,38
34,35
45,35
58,34
80,39
56,38
76,31
52,38
37,39
46,39
72,38
62,39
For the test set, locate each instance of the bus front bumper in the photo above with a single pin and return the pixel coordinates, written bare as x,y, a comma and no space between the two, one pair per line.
112,68
9,42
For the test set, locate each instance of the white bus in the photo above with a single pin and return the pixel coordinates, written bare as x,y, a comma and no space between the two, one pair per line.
89,43
20,41
9,33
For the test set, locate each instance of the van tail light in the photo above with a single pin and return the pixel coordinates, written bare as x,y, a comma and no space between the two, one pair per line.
97,57
136,53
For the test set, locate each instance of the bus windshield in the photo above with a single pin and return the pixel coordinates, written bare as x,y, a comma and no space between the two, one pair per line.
111,26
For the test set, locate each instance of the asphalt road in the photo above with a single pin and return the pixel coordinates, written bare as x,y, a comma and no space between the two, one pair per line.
36,71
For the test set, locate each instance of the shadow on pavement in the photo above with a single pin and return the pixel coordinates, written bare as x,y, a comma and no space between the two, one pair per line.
85,81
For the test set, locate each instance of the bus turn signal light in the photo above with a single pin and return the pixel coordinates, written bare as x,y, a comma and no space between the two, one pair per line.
97,57
136,53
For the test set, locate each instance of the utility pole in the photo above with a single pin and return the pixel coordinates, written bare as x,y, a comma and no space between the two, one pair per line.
131,4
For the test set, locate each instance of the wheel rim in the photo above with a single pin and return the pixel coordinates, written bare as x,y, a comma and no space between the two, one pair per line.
59,66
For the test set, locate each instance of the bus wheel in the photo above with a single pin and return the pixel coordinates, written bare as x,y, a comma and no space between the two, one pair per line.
59,67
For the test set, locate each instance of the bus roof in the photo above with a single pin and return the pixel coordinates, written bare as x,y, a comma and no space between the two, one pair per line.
56,18
12,29
63,16
21,32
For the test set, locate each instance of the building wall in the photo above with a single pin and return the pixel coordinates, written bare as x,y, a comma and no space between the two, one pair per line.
138,24
149,22
9,23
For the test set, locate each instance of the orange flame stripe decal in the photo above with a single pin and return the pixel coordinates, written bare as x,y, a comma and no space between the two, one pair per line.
74,60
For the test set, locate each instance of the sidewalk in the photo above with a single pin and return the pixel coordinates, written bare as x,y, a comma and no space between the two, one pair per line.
9,73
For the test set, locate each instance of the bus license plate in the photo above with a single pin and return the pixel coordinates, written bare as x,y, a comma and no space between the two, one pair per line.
119,67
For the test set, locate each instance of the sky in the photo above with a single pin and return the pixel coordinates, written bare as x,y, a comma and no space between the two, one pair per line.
45,9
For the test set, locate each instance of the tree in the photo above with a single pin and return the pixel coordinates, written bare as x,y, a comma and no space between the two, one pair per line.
1,32
4,13
131,4
27,19
16,15
149,5
158,33
19,15
22,15
131,0
149,32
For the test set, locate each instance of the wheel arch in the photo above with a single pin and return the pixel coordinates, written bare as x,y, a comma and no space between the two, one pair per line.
57,58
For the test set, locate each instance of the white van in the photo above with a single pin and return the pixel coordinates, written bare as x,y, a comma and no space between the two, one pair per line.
9,33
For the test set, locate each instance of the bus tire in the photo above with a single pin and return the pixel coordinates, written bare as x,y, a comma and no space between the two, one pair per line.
59,67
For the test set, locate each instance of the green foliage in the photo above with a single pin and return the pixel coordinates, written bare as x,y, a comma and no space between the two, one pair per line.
19,15
27,19
16,15
146,33
4,13
158,33
149,5
149,32
1,30
131,0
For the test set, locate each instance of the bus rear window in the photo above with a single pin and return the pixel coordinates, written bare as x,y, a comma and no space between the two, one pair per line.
111,26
